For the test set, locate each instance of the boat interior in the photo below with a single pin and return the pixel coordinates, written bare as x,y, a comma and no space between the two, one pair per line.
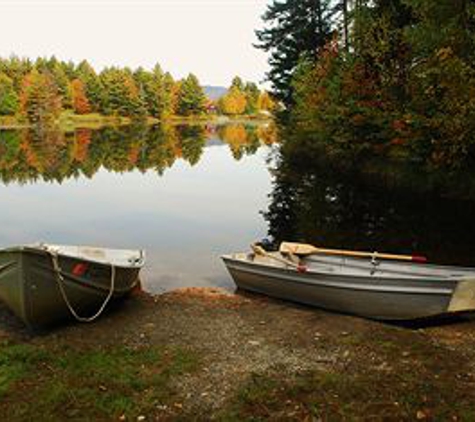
357,266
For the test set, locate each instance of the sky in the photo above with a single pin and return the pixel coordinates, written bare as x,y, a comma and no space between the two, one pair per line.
211,38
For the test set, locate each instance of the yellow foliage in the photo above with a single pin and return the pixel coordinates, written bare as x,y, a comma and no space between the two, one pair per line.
265,102
234,102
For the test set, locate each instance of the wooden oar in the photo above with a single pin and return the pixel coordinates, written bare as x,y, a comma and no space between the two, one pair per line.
259,250
306,249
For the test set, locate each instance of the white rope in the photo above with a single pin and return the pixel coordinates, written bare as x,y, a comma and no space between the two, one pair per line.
61,282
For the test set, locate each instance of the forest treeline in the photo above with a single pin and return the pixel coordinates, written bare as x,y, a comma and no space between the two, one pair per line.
380,77
37,92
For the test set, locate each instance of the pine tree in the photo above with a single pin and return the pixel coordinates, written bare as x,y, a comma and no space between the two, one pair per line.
121,95
170,96
93,85
9,101
293,28
191,99
252,98
151,87
237,83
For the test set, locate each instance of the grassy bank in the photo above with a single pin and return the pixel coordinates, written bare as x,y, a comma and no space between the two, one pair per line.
201,355
10,122
70,121
39,383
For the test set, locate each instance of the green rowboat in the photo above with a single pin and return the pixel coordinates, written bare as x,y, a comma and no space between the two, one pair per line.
46,284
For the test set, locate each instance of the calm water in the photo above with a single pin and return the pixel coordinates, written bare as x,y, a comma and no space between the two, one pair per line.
187,194
184,194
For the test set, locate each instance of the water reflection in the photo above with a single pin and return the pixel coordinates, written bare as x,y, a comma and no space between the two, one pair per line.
367,207
29,156
175,190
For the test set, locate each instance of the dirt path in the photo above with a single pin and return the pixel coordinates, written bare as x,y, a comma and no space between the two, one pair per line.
261,359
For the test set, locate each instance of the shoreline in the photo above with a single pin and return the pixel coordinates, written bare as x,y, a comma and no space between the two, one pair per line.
207,353
68,121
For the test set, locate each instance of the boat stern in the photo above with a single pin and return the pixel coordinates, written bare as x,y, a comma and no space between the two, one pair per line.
463,298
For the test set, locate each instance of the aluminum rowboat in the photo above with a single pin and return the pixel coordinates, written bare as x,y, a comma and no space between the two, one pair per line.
383,290
45,284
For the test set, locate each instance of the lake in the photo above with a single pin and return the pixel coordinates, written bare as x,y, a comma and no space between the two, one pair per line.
189,193
184,193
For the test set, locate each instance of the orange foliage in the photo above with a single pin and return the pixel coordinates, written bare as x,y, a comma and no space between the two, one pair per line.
80,101
83,139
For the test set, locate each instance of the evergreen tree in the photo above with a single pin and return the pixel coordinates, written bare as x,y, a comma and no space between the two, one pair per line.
237,83
9,101
170,95
121,95
93,85
252,98
150,85
191,99
293,28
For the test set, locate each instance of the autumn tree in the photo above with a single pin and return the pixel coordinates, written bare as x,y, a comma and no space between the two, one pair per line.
39,99
80,102
265,102
233,102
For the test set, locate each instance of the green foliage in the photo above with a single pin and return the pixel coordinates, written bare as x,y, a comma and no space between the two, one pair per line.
293,28
9,101
93,85
121,94
406,88
42,89
252,98
191,98
152,90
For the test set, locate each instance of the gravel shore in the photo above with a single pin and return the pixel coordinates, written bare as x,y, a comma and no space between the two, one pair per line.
364,369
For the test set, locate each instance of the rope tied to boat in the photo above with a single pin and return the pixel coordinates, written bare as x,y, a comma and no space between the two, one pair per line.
60,281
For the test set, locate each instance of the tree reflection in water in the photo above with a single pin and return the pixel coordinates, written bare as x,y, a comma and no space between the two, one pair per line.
363,207
27,156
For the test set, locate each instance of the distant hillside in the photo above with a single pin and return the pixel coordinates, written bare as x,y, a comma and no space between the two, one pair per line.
214,92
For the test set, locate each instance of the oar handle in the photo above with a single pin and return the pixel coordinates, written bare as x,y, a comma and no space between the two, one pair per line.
306,249
412,258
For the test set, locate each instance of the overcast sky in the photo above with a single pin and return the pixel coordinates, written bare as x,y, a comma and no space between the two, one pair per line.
211,38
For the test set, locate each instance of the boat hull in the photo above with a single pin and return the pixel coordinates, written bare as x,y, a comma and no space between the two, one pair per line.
29,285
370,297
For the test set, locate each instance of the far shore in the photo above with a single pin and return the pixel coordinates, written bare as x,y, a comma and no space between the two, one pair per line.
69,121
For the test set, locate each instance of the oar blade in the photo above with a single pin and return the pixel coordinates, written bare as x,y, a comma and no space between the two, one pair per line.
297,248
